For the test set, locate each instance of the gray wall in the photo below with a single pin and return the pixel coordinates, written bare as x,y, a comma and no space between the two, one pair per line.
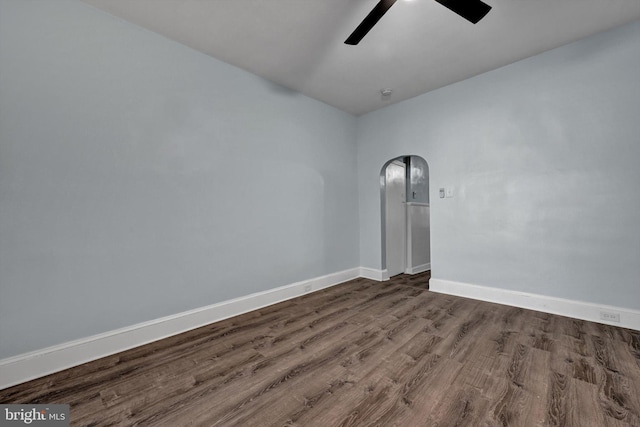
139,178
544,157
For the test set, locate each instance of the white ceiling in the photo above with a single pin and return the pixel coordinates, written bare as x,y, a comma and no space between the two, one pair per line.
418,46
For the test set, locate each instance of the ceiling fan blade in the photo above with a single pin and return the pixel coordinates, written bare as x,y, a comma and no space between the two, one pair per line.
471,10
367,23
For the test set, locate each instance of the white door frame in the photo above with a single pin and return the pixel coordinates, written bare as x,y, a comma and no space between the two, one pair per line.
396,217
383,223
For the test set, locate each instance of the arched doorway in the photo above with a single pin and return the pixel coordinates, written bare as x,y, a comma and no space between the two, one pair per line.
405,213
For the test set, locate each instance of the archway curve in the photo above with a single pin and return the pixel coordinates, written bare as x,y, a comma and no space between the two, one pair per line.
417,178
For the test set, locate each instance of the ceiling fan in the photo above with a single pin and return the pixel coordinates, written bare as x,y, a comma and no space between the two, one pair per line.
471,10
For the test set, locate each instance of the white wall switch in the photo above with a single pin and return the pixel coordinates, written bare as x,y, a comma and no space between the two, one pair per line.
449,192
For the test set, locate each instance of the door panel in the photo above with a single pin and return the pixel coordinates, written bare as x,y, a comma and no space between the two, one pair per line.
396,228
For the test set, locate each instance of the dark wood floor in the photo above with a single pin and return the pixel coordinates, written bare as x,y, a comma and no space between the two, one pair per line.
364,353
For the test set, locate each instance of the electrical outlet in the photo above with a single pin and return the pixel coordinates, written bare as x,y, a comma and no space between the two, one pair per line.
307,288
610,316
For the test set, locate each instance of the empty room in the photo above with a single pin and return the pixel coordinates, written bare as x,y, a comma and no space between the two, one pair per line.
320,213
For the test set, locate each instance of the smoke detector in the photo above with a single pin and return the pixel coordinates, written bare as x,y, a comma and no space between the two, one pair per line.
386,94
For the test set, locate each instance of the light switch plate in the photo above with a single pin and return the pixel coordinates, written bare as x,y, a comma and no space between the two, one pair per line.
449,192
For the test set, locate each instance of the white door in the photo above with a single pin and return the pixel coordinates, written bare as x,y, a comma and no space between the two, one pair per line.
396,218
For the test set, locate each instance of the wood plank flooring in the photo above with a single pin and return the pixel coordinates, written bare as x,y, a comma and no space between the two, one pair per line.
363,353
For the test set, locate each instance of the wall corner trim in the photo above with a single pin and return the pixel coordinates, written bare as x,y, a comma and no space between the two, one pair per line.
28,366
373,274
418,268
629,318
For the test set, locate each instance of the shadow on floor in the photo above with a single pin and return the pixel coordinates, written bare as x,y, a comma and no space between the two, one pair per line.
420,280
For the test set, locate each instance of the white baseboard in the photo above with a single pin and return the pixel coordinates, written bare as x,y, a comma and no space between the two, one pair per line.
24,367
629,318
418,268
373,274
